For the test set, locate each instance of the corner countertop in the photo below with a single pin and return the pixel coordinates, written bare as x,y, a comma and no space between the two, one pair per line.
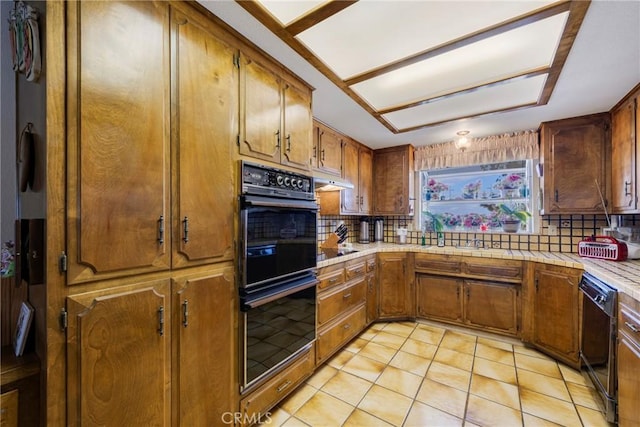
622,275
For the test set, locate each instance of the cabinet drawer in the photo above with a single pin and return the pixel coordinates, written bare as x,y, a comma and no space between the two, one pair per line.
495,269
256,404
445,264
337,334
629,322
355,270
331,278
335,302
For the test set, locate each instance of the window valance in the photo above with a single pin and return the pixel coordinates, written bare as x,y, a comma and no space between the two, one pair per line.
491,149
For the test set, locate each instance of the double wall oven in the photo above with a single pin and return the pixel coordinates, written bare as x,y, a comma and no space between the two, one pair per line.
277,269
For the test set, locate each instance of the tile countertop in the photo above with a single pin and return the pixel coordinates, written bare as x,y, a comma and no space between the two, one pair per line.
622,275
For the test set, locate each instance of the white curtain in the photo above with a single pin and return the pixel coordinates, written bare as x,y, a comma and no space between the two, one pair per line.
491,149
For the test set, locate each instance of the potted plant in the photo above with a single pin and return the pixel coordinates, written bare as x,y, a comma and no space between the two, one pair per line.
435,222
511,217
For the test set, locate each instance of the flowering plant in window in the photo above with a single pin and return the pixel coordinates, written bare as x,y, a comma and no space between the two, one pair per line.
450,220
436,186
473,220
470,189
509,182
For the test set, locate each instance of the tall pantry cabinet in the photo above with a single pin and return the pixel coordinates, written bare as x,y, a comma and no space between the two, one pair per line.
152,106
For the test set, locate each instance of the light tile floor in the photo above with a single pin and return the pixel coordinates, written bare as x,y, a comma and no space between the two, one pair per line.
425,374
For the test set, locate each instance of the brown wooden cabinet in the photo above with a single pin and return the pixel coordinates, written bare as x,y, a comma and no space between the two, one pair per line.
327,149
203,176
393,181
372,290
357,169
341,305
439,297
576,161
396,286
628,361
555,302
493,306
275,116
625,141
118,356
204,382
118,141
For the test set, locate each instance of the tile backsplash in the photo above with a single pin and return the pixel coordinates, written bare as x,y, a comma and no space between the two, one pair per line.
570,230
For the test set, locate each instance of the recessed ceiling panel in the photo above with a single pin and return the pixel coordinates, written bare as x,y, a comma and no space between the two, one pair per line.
287,11
506,55
371,33
499,97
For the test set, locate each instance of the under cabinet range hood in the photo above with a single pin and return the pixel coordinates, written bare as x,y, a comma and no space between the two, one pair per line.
330,184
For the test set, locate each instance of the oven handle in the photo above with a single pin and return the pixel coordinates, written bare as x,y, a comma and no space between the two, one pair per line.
260,201
248,303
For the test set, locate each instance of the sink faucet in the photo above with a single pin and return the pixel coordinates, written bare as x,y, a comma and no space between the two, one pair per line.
475,243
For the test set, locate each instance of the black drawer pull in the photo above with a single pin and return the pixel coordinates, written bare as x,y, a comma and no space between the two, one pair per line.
631,326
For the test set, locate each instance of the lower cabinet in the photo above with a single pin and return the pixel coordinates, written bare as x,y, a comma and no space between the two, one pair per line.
395,285
254,408
486,305
628,362
154,353
372,290
118,356
555,303
342,305
204,384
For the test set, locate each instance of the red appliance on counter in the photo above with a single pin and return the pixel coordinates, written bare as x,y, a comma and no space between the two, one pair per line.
603,247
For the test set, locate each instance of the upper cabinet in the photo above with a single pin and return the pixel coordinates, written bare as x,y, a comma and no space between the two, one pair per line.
118,142
625,132
275,116
393,181
147,190
575,157
327,149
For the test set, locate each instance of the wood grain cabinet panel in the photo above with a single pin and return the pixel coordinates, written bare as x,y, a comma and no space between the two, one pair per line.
628,361
557,311
575,154
625,144
336,334
439,297
204,132
493,306
118,139
396,285
337,301
118,356
204,385
327,149
393,181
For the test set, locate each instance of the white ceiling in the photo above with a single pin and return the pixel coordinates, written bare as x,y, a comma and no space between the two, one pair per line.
602,66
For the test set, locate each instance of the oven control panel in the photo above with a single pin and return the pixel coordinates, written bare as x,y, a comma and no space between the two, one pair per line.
266,181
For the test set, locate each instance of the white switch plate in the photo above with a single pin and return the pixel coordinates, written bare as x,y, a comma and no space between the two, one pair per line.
552,230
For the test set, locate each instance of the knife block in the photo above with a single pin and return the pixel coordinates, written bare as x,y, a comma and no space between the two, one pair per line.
331,242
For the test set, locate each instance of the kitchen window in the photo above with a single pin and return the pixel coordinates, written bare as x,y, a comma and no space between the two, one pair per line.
480,198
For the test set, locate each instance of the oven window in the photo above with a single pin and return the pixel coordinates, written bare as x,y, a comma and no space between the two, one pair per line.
280,241
277,330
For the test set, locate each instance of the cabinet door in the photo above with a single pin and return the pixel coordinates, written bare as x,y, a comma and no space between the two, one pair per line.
439,297
298,125
628,381
205,108
556,312
118,357
206,383
118,138
491,305
365,180
260,111
575,157
350,164
394,287
392,181
623,158
328,150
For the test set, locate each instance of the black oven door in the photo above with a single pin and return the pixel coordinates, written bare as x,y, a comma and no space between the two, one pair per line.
278,239
277,323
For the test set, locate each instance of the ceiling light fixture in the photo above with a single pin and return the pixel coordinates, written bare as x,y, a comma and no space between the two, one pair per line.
462,141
